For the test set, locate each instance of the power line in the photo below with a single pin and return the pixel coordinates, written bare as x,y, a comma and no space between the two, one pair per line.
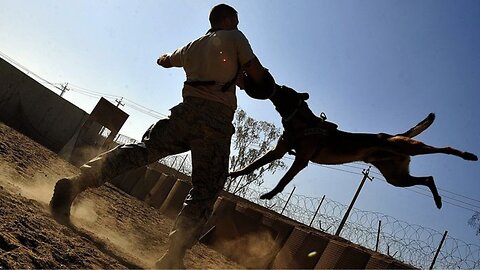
91,92
26,70
134,105
115,99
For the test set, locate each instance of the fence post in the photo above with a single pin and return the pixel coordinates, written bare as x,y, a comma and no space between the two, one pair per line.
183,161
291,193
316,212
173,162
378,234
438,250
342,223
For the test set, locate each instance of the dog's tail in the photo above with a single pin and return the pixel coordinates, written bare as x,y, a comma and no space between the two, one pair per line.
420,127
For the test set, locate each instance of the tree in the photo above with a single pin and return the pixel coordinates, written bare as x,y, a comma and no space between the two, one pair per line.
252,140
474,221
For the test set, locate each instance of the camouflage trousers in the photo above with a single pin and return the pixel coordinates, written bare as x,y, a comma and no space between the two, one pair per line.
199,125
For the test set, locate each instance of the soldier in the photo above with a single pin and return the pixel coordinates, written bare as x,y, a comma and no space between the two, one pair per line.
201,123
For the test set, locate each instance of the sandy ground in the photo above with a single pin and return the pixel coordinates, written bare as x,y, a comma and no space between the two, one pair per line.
111,228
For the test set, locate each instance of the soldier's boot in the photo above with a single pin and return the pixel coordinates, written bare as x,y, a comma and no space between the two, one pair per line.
181,238
65,192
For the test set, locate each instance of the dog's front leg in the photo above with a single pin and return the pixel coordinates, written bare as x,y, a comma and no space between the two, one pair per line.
298,165
280,150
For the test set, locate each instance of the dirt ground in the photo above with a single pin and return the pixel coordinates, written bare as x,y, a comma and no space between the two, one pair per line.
112,229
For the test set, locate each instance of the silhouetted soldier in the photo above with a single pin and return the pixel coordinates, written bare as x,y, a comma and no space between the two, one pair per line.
201,123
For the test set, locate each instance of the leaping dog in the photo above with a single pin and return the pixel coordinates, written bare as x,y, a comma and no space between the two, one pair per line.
311,138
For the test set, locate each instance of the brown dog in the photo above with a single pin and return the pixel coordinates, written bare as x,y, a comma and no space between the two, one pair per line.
311,138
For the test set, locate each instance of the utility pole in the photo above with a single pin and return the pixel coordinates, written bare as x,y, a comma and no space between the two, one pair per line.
119,102
365,176
64,89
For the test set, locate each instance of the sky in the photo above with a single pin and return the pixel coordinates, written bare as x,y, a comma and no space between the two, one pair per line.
371,66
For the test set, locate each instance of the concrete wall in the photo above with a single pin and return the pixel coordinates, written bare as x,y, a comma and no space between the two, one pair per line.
34,110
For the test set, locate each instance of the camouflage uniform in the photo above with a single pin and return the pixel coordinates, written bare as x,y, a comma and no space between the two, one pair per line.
202,126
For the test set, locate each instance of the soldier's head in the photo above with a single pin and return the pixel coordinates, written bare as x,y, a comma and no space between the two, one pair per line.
223,17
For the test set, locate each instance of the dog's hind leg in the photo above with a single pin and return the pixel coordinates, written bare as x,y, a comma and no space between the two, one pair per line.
298,165
280,150
413,147
426,149
397,174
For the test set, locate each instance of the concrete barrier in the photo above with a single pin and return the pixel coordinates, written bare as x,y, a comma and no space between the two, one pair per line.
145,184
36,111
331,255
253,215
222,208
378,261
159,192
237,232
255,245
281,228
302,250
128,180
220,225
174,201
340,255
280,231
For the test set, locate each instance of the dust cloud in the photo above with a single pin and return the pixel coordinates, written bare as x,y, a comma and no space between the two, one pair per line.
92,215
253,250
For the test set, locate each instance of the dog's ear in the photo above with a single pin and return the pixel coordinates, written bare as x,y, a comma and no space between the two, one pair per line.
304,96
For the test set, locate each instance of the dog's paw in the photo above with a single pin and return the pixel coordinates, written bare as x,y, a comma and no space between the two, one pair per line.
438,201
267,196
469,156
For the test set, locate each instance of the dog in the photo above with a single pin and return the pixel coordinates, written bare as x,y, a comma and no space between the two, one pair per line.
312,138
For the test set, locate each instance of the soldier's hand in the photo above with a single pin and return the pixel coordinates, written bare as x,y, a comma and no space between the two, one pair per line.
164,61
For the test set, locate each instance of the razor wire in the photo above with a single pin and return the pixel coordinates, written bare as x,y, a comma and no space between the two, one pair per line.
181,162
412,244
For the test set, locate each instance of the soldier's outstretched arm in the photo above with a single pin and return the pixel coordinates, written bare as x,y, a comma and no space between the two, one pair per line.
164,61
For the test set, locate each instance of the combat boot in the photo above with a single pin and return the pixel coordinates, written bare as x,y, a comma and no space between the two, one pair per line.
64,193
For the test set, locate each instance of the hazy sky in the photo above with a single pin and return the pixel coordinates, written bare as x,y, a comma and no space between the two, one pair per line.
371,66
